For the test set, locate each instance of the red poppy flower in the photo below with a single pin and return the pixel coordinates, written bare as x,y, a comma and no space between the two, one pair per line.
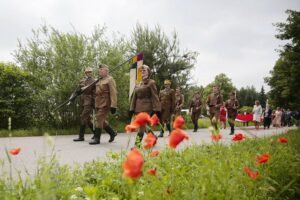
176,137
154,153
282,140
253,174
178,122
130,128
262,158
132,166
154,120
142,118
15,151
216,137
150,141
238,137
152,171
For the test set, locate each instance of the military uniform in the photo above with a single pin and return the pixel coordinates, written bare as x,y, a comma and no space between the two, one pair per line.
214,102
195,110
232,106
86,105
179,101
145,99
167,101
105,101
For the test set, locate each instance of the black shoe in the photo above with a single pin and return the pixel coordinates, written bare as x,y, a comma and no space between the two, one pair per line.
112,137
78,139
161,134
92,138
95,141
194,130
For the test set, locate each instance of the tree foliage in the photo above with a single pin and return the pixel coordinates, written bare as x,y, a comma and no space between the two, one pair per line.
16,96
285,76
247,96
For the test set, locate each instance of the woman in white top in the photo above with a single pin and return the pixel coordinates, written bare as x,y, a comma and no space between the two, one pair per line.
257,111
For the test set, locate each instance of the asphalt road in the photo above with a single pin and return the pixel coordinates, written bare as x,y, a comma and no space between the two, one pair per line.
71,153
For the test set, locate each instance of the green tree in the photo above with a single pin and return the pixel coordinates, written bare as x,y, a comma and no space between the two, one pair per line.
247,96
16,95
163,55
285,76
57,61
262,97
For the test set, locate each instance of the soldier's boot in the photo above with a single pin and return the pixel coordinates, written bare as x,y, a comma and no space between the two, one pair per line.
97,136
196,127
81,134
111,133
92,129
231,130
161,133
169,128
139,139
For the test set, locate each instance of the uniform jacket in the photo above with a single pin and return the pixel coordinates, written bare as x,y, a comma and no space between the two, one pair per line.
88,96
179,101
167,99
214,100
106,93
195,105
230,104
145,98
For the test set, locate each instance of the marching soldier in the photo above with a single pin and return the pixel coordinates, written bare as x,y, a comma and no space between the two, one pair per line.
105,101
214,102
86,103
167,101
179,101
232,105
144,99
195,110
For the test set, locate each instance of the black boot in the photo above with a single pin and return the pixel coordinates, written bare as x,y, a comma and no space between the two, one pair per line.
92,129
161,133
81,134
232,130
139,139
97,136
195,128
111,133
169,128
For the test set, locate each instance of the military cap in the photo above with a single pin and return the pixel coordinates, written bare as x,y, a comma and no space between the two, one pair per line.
167,82
88,69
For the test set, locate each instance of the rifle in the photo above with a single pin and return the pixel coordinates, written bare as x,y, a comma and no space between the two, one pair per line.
79,91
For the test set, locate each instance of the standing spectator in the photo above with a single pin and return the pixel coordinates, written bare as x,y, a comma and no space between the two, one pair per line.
267,117
257,111
223,116
283,117
277,118
289,117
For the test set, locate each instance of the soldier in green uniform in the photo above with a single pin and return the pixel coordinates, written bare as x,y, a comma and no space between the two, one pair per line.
214,102
167,101
144,99
195,109
105,102
232,105
86,104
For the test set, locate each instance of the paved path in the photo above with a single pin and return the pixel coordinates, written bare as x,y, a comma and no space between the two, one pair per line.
69,152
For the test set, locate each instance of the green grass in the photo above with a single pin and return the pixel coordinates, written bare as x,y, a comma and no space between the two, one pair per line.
197,172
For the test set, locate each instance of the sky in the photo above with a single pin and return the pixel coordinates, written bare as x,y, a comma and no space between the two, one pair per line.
235,37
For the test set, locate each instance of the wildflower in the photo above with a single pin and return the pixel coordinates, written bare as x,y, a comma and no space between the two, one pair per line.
238,137
154,120
179,122
216,137
176,137
282,140
133,164
152,171
154,153
73,197
15,151
253,174
142,119
79,189
150,141
262,158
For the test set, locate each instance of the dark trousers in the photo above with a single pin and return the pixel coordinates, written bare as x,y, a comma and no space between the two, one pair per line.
267,122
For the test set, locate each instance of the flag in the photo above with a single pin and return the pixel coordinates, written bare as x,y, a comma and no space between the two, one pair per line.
135,72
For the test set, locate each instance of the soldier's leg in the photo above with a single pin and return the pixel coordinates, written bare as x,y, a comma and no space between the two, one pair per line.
231,124
196,121
83,118
100,118
217,117
110,131
163,112
140,135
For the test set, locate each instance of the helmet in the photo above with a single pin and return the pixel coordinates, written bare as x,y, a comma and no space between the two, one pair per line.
88,69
